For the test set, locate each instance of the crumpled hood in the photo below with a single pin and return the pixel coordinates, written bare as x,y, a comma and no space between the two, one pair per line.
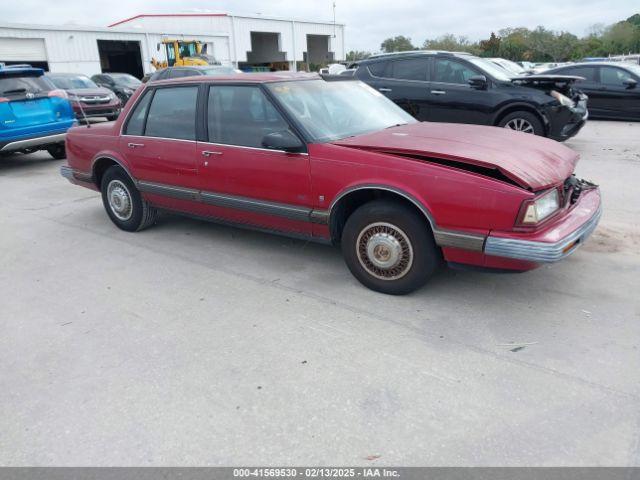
530,161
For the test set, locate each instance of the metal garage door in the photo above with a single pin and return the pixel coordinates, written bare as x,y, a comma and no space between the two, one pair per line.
22,50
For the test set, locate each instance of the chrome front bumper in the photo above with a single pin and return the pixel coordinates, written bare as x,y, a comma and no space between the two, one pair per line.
33,142
542,252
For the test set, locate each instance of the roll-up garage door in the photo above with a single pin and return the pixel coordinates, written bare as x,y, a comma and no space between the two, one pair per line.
22,50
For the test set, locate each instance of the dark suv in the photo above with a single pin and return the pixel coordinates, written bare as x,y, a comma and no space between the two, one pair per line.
462,88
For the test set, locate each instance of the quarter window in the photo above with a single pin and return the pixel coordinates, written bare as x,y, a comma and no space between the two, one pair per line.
377,69
450,71
172,113
135,124
241,115
409,69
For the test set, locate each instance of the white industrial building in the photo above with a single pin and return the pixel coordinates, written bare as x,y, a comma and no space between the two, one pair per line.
129,45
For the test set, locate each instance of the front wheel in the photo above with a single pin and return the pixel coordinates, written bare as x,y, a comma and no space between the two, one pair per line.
389,247
525,122
123,202
57,151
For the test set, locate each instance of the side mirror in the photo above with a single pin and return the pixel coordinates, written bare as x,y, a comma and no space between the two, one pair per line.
630,83
283,140
478,81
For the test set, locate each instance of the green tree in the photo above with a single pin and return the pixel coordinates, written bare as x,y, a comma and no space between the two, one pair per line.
450,43
355,55
397,44
491,46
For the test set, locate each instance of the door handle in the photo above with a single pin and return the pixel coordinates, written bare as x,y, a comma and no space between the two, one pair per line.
208,153
438,92
135,145
384,89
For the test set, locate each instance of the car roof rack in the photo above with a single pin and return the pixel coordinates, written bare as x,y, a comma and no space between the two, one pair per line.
416,52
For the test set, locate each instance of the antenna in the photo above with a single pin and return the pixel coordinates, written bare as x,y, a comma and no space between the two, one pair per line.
84,115
334,19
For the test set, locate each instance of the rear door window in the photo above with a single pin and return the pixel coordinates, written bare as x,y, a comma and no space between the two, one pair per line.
172,113
410,69
135,124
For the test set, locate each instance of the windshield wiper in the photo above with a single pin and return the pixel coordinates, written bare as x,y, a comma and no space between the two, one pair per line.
16,90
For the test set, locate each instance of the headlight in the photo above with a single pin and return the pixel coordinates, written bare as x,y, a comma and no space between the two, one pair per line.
112,96
74,98
564,100
535,211
127,91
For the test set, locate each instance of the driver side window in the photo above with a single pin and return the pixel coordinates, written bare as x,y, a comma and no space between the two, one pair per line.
241,115
451,71
614,76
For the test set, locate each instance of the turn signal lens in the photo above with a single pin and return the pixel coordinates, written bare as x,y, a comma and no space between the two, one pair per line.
535,211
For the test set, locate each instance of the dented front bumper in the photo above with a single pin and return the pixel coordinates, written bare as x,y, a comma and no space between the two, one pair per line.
556,241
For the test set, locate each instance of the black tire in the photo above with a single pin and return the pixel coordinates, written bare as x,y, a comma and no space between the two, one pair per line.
135,213
523,121
398,229
57,151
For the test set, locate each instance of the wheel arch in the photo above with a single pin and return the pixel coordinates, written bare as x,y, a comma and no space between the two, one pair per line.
347,201
101,163
517,107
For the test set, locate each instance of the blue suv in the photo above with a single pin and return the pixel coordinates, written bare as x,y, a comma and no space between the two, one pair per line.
34,115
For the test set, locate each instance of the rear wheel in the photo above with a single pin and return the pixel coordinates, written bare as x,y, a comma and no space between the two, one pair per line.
57,151
525,122
389,247
123,202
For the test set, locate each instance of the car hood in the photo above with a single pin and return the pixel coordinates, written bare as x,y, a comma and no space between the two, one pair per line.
82,92
542,79
529,161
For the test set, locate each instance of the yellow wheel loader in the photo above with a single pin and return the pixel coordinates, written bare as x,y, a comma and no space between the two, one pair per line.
182,53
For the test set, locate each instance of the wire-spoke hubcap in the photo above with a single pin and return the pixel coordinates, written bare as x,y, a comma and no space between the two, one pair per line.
119,200
519,124
384,251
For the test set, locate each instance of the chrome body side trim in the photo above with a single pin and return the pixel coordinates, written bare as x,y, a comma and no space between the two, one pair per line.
291,212
73,174
34,142
454,239
540,251
169,191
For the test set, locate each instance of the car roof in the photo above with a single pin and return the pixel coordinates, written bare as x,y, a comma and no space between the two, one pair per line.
594,64
64,74
8,70
242,78
413,53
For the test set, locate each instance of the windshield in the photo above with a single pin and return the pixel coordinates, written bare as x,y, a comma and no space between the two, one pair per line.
126,80
633,68
511,67
334,110
69,82
15,87
492,69
219,71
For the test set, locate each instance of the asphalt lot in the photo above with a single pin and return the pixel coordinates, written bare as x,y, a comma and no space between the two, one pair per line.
196,344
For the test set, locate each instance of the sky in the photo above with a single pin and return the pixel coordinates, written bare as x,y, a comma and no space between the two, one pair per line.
368,22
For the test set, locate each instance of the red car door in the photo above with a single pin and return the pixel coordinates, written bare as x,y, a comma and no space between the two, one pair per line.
159,145
240,180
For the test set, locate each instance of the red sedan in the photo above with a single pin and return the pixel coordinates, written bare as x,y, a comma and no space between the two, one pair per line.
337,162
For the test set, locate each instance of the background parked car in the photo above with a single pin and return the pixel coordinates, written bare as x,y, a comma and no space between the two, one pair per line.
87,98
511,67
462,88
612,88
177,72
122,84
34,115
